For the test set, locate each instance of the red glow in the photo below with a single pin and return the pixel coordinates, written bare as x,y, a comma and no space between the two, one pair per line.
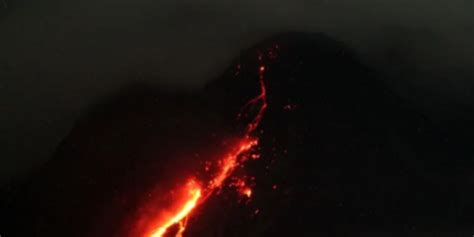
197,192
248,192
229,163
181,214
242,187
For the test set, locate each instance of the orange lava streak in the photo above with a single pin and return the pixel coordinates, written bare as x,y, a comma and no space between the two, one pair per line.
195,194
227,165
182,227
230,162
261,97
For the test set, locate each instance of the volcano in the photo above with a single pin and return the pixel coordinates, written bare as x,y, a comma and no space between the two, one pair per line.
296,138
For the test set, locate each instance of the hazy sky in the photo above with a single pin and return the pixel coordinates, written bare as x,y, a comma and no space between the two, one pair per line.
59,56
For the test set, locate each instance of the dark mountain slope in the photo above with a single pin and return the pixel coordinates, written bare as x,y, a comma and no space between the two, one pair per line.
340,155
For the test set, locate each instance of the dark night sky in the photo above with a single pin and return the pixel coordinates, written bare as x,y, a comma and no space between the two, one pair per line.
57,57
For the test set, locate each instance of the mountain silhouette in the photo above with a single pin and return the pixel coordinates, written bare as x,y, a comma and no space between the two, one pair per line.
340,154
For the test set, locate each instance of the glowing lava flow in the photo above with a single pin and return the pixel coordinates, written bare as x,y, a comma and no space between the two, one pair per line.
195,194
227,165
